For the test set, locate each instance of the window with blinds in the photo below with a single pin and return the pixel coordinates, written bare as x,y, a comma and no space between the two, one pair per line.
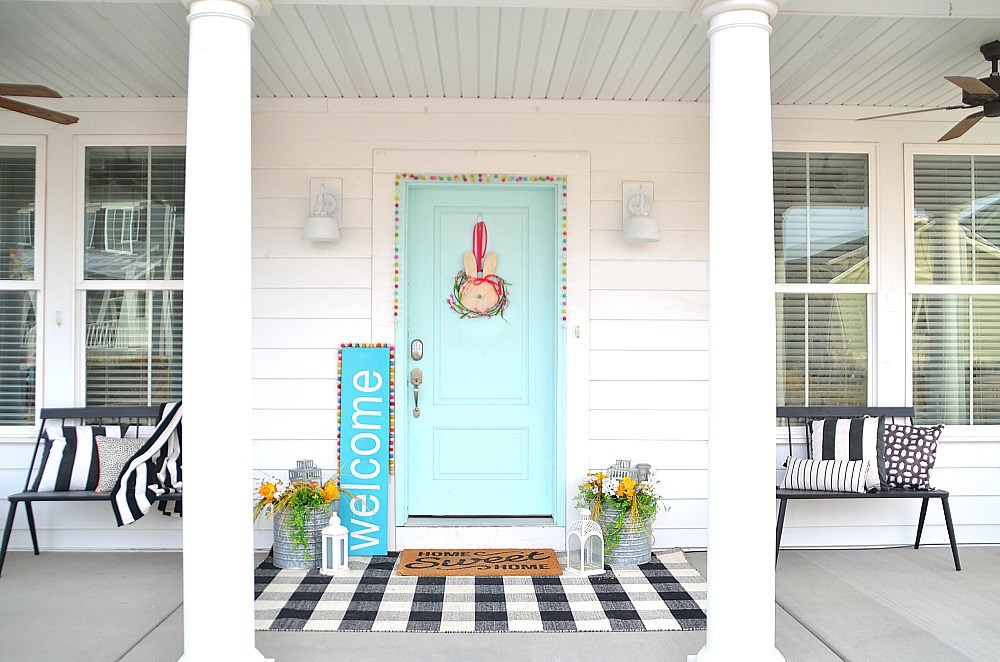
955,292
133,263
822,277
18,289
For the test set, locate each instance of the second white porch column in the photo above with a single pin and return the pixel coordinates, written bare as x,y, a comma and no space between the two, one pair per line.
218,452
741,501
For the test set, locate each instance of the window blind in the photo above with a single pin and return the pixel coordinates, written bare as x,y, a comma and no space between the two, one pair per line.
955,329
956,359
821,244
133,346
821,218
17,266
956,227
133,234
134,213
822,349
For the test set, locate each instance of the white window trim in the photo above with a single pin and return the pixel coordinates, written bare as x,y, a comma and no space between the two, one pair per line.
19,432
82,285
874,255
910,150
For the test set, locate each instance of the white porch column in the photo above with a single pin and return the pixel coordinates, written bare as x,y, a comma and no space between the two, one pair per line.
218,458
741,511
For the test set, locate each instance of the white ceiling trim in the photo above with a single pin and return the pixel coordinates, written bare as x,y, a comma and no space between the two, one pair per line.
897,8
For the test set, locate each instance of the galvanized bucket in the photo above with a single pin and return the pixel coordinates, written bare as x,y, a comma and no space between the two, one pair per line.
287,554
635,541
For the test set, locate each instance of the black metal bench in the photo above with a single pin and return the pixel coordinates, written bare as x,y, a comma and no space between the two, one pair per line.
123,416
808,414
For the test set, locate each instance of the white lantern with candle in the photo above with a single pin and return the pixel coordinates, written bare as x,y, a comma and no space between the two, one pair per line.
588,558
334,560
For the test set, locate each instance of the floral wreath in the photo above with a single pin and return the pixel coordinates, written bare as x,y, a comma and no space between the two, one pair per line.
478,290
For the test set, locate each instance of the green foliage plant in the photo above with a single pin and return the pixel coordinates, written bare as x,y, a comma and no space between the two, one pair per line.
294,504
632,503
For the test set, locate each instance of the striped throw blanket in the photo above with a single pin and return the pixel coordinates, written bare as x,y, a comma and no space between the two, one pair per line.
153,471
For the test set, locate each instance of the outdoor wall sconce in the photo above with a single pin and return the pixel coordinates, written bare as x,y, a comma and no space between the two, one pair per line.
324,223
334,550
638,226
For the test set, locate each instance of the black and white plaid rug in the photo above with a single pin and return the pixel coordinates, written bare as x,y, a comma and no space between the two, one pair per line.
664,594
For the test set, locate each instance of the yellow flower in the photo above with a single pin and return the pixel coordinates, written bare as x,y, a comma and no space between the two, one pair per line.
627,487
330,492
267,491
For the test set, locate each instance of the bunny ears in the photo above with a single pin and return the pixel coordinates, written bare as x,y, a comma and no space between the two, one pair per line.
472,269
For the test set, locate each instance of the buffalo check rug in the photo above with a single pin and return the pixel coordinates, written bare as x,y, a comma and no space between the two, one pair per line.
664,594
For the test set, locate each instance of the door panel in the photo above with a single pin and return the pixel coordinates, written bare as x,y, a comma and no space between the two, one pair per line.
484,443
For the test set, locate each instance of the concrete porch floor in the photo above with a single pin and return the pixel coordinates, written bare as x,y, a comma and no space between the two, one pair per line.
853,605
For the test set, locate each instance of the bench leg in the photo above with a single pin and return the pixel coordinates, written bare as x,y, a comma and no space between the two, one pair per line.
781,524
951,532
6,532
920,522
31,526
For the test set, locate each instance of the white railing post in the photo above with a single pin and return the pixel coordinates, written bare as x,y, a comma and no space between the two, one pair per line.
741,500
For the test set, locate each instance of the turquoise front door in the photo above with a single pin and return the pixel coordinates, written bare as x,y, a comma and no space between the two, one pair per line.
484,443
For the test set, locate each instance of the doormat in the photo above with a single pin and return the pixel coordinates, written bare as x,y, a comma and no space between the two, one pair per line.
479,563
664,594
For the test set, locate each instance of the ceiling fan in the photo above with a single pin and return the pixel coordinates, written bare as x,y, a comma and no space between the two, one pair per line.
976,93
19,90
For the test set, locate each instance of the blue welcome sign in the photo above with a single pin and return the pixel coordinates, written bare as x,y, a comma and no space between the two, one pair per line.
365,437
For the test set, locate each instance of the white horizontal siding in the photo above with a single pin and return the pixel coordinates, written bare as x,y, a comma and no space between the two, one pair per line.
648,303
668,395
291,303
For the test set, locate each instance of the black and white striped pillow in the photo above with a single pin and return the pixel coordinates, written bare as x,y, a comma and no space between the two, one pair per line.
852,439
70,460
825,475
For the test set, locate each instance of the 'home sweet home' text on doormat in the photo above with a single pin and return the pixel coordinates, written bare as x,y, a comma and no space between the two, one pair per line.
478,563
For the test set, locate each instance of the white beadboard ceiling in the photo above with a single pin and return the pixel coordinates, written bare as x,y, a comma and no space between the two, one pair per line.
302,50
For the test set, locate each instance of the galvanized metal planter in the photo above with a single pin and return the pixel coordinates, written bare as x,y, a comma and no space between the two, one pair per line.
287,554
635,541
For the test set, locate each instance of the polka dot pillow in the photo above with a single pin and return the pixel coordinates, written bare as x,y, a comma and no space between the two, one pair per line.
115,452
910,452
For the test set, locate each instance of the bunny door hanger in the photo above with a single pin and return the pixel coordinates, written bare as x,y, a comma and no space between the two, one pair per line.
478,290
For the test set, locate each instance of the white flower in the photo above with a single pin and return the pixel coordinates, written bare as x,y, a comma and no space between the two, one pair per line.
594,489
610,487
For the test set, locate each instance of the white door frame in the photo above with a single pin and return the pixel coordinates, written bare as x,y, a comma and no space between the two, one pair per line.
576,166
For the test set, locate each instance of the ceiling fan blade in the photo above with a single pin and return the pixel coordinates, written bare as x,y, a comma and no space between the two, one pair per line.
912,112
36,111
973,86
963,126
18,90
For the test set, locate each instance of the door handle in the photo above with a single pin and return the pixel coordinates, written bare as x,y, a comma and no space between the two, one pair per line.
416,378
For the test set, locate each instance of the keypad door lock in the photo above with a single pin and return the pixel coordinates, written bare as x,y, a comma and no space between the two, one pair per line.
416,349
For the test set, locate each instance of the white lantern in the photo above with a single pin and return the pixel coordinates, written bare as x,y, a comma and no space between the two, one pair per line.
588,558
334,560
